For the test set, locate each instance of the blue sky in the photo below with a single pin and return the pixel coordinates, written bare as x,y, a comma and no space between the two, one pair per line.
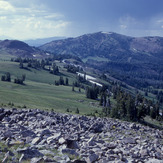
26,19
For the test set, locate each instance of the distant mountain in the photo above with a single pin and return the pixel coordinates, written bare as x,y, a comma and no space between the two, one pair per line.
41,41
109,45
134,60
20,49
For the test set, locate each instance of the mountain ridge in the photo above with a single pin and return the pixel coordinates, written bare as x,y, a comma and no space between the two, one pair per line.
105,44
20,49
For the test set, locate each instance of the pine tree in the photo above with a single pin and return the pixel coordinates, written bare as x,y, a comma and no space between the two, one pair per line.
21,64
79,90
130,108
114,112
153,113
73,89
43,64
141,112
23,77
8,77
67,82
77,111
61,80
3,78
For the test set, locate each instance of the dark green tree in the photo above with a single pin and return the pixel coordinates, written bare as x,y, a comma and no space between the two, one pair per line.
43,64
8,77
73,87
23,77
77,111
153,113
130,108
61,81
67,82
21,64
3,78
79,90
141,111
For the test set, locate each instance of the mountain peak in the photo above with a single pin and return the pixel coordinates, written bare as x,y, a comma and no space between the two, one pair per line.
108,33
107,45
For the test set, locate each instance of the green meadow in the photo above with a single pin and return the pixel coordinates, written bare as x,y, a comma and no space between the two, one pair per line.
40,92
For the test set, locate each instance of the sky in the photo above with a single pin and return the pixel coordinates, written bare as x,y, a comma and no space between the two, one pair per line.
31,19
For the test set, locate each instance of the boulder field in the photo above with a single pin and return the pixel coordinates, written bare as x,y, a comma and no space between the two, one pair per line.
38,136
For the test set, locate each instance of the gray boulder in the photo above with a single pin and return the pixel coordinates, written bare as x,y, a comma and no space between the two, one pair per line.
29,153
72,144
53,138
91,158
69,151
2,115
129,140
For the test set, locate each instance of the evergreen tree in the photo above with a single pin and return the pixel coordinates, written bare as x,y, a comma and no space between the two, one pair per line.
67,110
3,78
77,111
21,64
56,83
92,92
67,82
23,77
153,113
61,80
130,108
157,109
8,77
73,89
54,70
141,112
115,112
43,64
122,109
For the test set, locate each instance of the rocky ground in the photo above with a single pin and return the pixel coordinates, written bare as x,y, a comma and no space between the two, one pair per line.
39,136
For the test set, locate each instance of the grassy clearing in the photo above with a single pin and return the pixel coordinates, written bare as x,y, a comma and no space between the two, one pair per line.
95,58
153,122
5,56
39,91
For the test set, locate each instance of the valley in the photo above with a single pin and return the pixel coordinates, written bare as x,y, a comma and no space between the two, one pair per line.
77,95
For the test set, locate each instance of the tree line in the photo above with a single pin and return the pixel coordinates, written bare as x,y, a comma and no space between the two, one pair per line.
127,106
7,77
62,81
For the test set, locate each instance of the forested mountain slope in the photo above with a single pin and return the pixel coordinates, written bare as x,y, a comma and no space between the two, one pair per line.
134,60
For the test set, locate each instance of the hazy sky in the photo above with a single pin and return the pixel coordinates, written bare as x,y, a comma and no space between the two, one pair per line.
24,19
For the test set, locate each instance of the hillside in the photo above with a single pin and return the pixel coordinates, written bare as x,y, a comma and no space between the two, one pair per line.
135,61
109,45
39,90
20,49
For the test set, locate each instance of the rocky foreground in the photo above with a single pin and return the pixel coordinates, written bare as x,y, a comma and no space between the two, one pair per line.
39,136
